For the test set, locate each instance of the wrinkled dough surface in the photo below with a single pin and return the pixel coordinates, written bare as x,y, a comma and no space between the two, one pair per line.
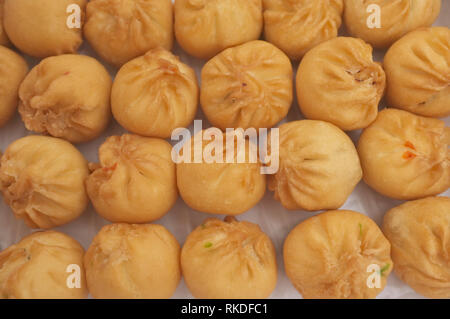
418,71
221,188
419,235
39,27
339,82
36,267
319,166
42,180
154,94
398,17
203,28
66,96
121,30
133,262
247,86
296,26
13,69
135,181
229,259
327,256
405,156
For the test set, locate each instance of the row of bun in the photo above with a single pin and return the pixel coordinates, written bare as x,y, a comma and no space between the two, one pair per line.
203,28
72,96
336,254
46,181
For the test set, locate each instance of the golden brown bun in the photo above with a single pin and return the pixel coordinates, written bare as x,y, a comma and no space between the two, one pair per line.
247,86
319,166
418,72
328,256
296,26
203,28
66,96
397,18
42,180
121,30
13,69
39,267
338,82
133,262
221,188
154,94
418,232
229,260
419,235
405,156
39,27
135,181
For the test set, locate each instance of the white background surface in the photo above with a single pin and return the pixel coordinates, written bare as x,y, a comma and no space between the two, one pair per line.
181,220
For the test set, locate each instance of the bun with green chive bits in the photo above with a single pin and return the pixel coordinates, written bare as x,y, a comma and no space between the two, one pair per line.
337,255
229,260
419,232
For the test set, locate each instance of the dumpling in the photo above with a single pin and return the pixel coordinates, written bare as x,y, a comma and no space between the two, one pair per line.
338,82
121,30
126,261
66,96
41,266
203,28
39,28
319,166
154,94
220,188
296,26
3,36
338,254
419,235
229,260
405,156
418,72
13,69
42,180
135,181
397,18
247,86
